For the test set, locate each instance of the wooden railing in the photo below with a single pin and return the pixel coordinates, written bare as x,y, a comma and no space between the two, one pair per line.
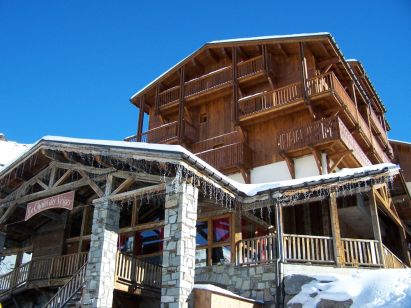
250,67
228,156
43,269
267,100
15,278
319,132
209,81
353,145
379,151
169,96
307,248
167,132
66,292
391,260
131,270
204,145
257,250
377,124
360,252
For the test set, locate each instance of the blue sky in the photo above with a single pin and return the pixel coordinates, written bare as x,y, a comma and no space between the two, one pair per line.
69,67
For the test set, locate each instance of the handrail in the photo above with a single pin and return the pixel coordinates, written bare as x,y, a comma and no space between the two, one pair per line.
208,81
308,248
391,260
168,96
14,279
262,249
67,291
361,252
250,67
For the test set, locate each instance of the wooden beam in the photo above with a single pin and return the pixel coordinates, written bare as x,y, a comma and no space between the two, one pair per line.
62,178
92,184
181,134
78,167
134,193
127,182
234,109
140,118
290,164
327,62
212,55
52,176
281,49
256,220
335,230
42,184
335,165
317,158
376,225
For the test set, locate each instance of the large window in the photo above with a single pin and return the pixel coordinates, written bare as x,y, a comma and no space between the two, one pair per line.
213,240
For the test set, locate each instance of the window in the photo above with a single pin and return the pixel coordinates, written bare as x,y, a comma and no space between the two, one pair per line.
213,241
203,118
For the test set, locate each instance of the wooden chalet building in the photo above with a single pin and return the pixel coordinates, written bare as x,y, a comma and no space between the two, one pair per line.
261,156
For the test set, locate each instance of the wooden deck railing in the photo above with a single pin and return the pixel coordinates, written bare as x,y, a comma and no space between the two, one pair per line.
166,132
66,292
207,144
43,269
256,250
306,248
360,252
217,78
375,121
228,156
169,96
379,151
391,260
130,270
268,100
250,67
319,132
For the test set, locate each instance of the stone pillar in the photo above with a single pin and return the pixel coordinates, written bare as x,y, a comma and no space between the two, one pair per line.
179,245
101,265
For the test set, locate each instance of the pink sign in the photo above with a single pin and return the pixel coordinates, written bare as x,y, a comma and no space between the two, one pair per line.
62,201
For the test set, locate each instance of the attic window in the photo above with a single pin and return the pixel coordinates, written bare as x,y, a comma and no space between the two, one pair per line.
203,118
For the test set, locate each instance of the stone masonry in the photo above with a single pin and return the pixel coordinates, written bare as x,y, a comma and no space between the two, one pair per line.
257,282
179,245
101,265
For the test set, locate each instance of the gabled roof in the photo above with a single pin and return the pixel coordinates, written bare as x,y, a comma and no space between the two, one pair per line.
238,41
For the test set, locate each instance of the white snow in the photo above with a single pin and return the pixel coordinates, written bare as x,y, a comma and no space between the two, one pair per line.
400,141
374,288
10,150
248,189
213,288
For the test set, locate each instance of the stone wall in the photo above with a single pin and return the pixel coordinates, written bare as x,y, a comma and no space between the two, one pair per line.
256,282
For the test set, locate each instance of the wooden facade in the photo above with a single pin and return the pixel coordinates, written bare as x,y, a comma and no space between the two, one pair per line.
249,103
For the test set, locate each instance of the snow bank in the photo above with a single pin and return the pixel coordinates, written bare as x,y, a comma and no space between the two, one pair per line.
379,288
215,289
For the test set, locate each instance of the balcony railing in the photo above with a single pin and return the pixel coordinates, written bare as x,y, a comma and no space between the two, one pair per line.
169,96
165,133
209,81
361,252
379,151
44,269
314,250
207,144
231,156
320,132
250,67
269,100
134,272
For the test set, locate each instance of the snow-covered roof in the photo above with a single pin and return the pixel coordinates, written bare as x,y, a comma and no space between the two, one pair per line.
10,150
399,141
246,189
269,37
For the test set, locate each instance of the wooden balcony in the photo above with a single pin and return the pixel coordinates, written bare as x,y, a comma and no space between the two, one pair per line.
320,134
250,68
208,82
265,102
231,157
131,273
314,250
167,133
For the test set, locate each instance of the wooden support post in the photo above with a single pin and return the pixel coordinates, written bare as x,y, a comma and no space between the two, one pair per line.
156,102
335,229
140,119
236,234
181,107
235,86
376,225
307,219
325,219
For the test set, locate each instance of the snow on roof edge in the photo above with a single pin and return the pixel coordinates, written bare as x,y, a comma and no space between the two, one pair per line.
247,189
400,141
